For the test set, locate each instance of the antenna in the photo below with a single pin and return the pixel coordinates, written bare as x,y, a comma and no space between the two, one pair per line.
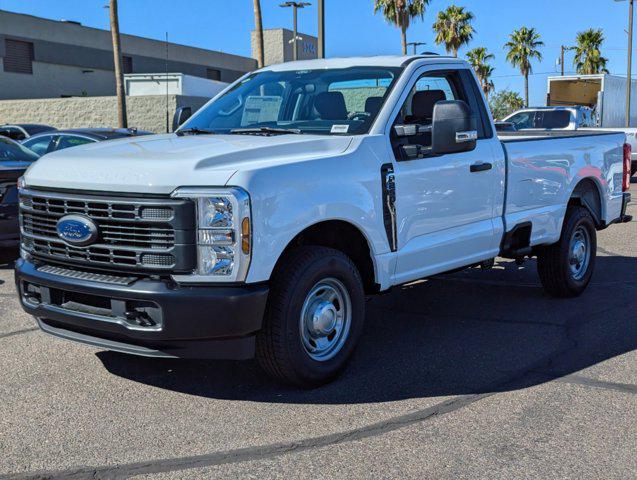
167,99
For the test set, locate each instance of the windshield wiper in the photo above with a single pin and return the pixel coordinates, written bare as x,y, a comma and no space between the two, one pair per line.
265,131
194,131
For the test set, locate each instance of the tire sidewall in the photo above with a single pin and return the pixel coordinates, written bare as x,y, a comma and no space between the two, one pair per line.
331,266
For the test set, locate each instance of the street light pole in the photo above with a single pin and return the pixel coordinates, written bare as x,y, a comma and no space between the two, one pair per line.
416,44
630,62
321,28
295,6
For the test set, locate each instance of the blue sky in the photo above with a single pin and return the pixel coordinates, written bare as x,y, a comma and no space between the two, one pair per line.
353,29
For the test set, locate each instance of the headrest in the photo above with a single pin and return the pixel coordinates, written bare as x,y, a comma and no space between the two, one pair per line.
373,104
422,103
331,106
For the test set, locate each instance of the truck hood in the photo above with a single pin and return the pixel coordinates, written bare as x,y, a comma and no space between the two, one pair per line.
161,163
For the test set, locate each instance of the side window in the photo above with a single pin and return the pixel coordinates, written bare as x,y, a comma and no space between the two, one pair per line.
39,145
68,141
523,120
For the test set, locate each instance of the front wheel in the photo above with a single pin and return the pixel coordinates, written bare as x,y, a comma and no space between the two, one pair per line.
566,267
314,317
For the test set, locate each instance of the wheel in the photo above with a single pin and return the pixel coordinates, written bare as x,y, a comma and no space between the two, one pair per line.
566,267
314,317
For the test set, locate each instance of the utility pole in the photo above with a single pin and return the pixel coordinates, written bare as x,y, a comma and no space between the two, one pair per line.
119,74
295,6
416,45
321,28
564,50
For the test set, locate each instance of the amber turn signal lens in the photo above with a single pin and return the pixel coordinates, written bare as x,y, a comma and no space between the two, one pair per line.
245,236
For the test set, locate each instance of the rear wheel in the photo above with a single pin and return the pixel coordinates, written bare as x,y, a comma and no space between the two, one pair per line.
566,267
314,317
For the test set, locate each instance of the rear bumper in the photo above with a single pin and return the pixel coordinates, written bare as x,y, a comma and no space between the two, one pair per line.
145,317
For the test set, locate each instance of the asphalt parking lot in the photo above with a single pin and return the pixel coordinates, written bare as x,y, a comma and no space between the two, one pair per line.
473,375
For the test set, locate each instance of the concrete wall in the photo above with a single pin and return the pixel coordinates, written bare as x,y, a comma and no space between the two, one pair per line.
144,112
278,49
80,58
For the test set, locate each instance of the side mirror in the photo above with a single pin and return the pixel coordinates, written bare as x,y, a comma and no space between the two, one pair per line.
181,115
454,128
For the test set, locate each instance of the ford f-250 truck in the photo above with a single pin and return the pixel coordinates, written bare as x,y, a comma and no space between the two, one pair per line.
261,225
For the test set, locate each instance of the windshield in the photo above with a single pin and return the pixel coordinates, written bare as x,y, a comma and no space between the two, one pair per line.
327,101
14,152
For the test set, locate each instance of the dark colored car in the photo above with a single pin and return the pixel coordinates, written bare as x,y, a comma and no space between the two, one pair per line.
60,139
23,131
14,160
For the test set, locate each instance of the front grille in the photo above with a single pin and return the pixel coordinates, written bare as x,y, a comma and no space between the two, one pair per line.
136,234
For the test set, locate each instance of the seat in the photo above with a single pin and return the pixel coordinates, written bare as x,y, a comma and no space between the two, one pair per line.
373,104
330,106
422,106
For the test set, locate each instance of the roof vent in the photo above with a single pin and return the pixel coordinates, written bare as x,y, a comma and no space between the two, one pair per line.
74,22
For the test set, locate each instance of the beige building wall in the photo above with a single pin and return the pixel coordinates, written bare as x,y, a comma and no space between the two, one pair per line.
144,112
278,48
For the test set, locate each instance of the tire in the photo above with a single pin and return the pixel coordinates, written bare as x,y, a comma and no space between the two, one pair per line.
565,269
303,284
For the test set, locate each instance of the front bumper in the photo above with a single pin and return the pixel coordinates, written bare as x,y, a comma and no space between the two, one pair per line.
144,316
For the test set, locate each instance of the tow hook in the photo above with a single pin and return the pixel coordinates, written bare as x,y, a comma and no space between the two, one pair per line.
140,318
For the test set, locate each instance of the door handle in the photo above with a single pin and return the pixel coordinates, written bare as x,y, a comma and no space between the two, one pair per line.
480,167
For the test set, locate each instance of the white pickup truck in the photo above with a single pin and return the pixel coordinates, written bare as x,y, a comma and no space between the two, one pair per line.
260,226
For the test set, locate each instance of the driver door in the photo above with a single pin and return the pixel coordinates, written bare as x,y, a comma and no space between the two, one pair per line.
446,204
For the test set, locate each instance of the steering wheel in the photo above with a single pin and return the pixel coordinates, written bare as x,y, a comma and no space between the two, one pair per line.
360,116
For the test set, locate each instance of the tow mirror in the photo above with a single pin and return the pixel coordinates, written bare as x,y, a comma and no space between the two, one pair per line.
181,115
454,128
410,130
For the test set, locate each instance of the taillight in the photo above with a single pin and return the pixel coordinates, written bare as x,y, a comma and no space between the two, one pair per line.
626,177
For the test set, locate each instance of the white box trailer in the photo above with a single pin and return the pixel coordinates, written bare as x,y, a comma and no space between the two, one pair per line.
176,84
604,93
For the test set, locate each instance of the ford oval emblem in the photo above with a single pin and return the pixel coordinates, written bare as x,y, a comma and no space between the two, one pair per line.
77,230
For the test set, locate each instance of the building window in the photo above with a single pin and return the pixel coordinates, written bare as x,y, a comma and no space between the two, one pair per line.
212,74
18,57
127,64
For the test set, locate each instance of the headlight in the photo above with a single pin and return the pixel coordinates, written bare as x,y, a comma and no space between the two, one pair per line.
224,232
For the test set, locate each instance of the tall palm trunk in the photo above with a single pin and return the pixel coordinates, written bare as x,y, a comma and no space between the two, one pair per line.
403,34
526,89
119,74
258,25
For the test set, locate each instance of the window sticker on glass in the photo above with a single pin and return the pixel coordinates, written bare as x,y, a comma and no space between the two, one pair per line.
340,129
261,109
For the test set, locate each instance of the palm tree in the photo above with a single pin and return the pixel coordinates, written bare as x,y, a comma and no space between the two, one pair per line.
523,47
453,28
258,27
588,56
479,58
119,75
400,13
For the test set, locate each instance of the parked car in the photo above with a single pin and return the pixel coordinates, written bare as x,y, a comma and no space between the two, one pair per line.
505,127
14,160
260,226
60,139
568,118
23,131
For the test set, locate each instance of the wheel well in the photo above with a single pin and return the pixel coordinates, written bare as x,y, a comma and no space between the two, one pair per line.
344,237
586,194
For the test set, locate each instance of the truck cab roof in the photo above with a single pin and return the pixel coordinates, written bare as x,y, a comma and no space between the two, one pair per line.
373,61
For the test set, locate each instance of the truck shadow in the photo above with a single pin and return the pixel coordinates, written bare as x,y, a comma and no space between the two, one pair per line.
464,333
